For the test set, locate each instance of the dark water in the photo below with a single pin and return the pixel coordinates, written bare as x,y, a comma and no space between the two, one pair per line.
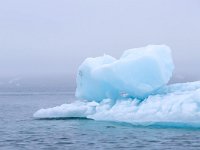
20,131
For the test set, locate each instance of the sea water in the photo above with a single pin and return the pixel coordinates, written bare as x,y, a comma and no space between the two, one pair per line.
19,130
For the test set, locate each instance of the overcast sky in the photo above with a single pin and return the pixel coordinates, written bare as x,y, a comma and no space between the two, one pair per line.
52,37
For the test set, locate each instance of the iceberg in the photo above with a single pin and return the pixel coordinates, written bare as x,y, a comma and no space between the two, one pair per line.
132,89
138,73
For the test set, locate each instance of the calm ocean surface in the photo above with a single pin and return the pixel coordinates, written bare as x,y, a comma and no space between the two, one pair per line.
20,131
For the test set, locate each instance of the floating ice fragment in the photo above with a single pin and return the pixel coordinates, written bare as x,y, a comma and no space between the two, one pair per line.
112,90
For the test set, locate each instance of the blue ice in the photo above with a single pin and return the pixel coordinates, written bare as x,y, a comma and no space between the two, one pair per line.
133,89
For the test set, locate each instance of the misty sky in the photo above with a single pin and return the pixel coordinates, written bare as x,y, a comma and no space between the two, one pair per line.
52,37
